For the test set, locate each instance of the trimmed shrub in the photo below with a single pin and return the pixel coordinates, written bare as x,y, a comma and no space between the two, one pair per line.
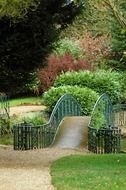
85,96
57,65
102,81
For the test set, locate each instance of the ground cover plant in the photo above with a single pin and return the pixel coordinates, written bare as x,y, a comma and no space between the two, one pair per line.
97,172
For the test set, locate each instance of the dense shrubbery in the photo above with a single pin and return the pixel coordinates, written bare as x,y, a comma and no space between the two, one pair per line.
57,65
85,96
101,81
64,46
95,49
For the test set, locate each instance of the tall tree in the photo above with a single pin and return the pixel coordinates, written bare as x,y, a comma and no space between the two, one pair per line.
24,44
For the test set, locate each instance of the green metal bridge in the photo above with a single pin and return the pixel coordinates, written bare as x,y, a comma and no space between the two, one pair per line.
28,137
104,126
104,133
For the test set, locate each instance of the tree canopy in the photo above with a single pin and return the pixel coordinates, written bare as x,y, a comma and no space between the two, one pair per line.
25,44
17,8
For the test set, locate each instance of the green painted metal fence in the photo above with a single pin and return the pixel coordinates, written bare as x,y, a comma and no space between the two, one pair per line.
105,140
25,135
103,136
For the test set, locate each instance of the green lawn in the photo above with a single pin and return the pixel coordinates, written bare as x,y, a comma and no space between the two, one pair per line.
90,172
26,100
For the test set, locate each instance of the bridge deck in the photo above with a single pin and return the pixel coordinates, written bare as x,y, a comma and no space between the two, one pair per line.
72,133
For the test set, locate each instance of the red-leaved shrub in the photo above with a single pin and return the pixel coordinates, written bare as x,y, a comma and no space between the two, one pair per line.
95,48
56,65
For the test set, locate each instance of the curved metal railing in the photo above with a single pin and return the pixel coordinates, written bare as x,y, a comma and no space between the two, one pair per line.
67,105
103,136
103,110
30,137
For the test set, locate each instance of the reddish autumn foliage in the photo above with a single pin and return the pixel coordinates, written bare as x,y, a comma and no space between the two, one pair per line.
56,65
95,48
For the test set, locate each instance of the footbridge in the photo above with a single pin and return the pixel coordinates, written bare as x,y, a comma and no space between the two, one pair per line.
68,128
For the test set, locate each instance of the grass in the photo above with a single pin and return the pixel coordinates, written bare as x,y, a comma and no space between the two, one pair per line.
26,101
97,172
6,140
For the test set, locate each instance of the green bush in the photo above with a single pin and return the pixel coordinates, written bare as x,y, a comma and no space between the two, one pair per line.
4,126
34,118
102,81
85,96
68,46
99,119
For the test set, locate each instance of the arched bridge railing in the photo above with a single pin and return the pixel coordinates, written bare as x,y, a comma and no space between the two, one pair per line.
67,105
102,113
103,136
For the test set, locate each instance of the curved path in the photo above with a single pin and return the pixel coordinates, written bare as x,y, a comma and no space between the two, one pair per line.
24,109
29,170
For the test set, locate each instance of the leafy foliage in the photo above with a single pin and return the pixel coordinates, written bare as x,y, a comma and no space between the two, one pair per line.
16,8
56,66
95,49
118,58
34,118
64,46
25,44
5,126
102,81
85,96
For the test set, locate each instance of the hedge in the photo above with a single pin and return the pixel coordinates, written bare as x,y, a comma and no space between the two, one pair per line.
85,96
102,81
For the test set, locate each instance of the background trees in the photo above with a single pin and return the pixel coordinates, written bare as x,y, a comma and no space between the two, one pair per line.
25,44
28,30
16,9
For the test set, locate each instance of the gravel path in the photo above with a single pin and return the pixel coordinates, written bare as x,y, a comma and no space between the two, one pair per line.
29,170
24,109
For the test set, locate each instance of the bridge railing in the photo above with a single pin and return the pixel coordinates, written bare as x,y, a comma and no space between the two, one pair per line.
103,136
104,140
67,105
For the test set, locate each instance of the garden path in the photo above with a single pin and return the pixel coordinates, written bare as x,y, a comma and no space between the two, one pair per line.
24,109
29,170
